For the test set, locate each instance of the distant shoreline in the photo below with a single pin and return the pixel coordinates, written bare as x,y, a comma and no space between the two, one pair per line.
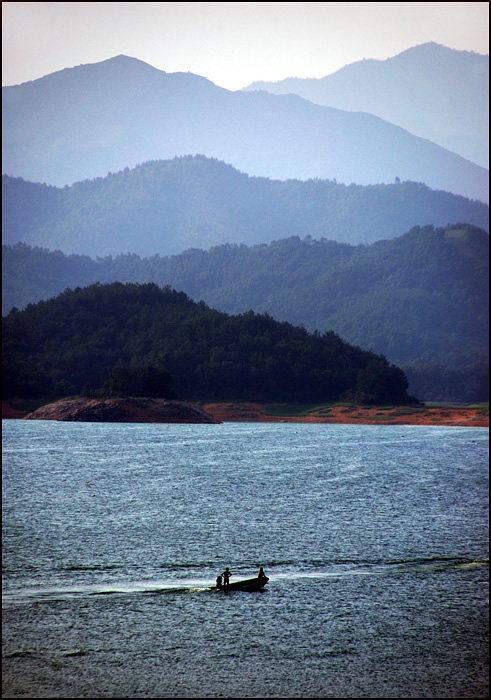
350,414
246,411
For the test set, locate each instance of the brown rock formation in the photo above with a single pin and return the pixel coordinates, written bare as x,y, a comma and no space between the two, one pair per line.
122,410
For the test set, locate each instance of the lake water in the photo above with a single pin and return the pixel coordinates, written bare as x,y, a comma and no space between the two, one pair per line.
375,539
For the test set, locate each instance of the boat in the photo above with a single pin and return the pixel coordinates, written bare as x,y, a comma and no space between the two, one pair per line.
249,584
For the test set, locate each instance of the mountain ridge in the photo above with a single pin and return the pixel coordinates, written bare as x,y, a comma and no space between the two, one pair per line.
166,207
431,90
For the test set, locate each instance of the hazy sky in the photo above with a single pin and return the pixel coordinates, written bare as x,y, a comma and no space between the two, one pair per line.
230,43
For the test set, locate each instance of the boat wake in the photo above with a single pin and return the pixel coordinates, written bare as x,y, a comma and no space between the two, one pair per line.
39,595
278,572
345,568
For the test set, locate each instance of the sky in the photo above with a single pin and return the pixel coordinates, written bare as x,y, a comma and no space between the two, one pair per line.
231,43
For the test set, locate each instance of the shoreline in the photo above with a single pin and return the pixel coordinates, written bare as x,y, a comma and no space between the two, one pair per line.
229,411
246,411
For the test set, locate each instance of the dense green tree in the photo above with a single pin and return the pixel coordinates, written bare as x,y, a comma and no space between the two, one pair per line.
139,381
468,384
376,383
23,379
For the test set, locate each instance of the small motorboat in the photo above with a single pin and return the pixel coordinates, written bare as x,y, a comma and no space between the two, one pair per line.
249,584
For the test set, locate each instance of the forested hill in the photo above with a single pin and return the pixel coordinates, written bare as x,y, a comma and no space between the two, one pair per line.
418,299
166,207
63,345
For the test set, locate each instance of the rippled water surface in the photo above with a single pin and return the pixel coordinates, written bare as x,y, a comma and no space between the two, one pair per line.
375,539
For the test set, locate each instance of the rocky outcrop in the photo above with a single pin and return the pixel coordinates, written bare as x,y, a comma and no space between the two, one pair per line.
122,410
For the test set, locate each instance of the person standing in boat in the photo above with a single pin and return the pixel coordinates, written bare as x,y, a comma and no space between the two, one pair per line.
261,573
226,577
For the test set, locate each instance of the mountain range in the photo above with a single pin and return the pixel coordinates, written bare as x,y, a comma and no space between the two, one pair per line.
323,216
82,122
432,91
166,207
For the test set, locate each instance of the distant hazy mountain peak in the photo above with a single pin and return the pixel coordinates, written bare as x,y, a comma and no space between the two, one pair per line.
116,68
428,50
124,62
433,47
430,90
